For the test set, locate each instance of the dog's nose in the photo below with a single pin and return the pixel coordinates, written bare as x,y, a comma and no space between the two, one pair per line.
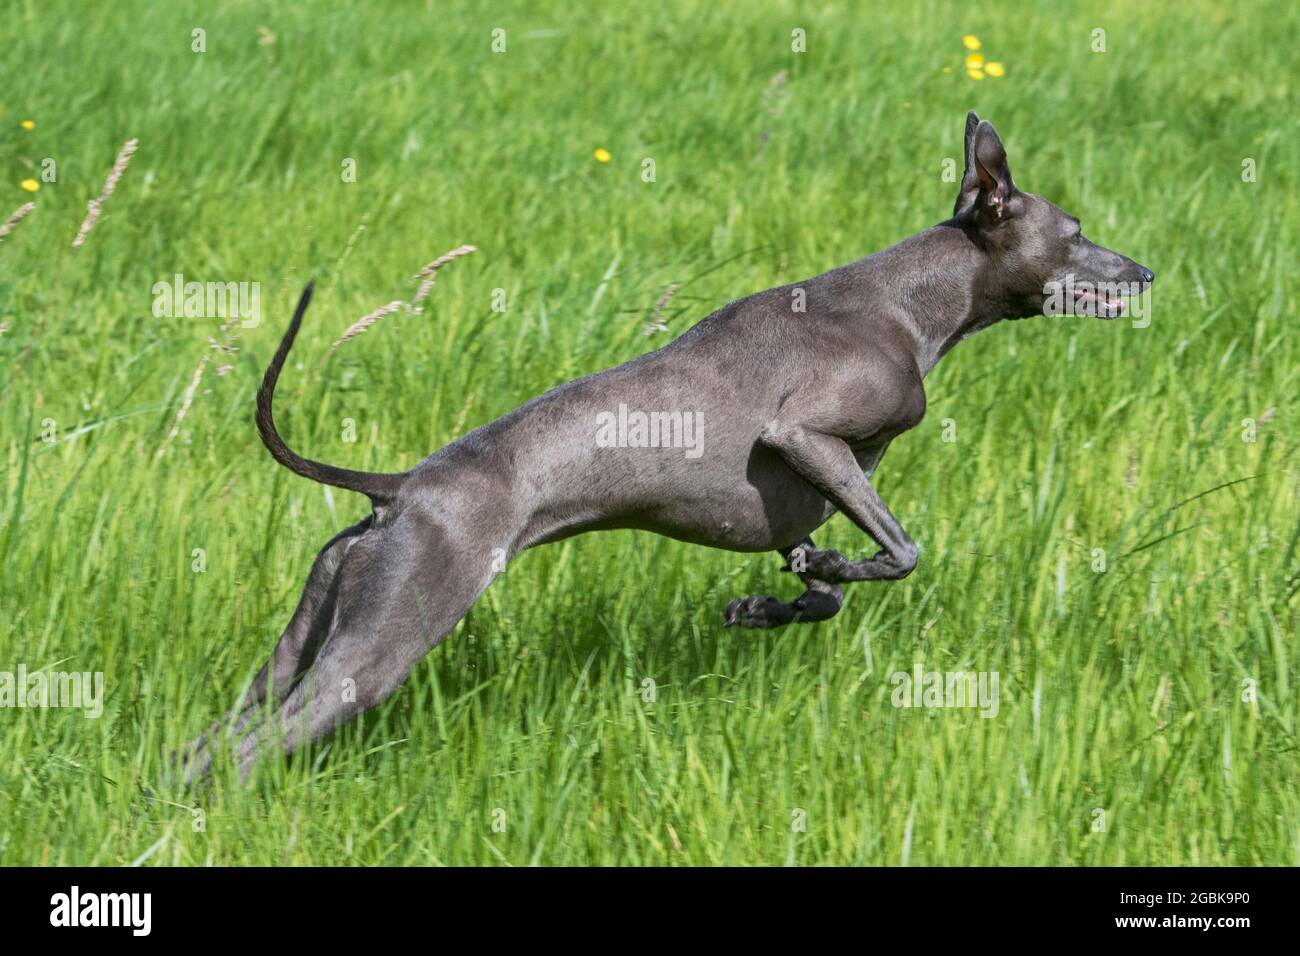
1146,274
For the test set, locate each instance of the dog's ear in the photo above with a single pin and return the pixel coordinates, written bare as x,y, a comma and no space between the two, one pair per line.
969,190
986,184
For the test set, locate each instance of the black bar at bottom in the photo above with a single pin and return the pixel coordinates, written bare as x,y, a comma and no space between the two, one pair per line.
335,906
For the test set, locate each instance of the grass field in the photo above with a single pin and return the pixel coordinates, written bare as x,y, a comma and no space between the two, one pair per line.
1148,712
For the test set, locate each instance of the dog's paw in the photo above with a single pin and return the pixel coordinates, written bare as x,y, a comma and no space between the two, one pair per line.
828,566
756,612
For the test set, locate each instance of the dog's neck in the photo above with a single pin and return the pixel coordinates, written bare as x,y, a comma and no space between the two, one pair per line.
949,289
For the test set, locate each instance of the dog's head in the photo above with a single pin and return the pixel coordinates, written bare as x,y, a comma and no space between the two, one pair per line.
1042,264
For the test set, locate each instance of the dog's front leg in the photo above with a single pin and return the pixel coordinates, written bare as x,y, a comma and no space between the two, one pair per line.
828,464
820,602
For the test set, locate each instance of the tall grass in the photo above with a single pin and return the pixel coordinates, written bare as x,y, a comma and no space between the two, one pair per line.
1148,712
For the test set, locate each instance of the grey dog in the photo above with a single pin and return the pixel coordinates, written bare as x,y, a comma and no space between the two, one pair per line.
801,388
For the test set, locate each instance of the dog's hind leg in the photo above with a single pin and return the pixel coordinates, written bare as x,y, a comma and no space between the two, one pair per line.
401,589
819,602
297,647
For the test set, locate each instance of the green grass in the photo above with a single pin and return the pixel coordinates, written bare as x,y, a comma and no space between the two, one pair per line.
1120,690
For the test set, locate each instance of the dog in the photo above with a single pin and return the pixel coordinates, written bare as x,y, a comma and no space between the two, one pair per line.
795,393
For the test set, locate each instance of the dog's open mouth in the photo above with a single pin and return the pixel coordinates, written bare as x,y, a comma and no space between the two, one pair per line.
1097,303
1101,300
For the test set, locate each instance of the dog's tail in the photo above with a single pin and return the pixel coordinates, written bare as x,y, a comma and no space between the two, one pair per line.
379,487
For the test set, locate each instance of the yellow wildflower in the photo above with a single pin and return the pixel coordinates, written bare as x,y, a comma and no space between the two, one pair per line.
28,124
602,155
994,68
975,74
970,41
30,185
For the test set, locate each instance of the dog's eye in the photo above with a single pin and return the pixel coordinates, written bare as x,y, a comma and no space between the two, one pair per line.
1077,238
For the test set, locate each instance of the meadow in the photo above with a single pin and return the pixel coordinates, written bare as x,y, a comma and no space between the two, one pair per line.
1107,514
